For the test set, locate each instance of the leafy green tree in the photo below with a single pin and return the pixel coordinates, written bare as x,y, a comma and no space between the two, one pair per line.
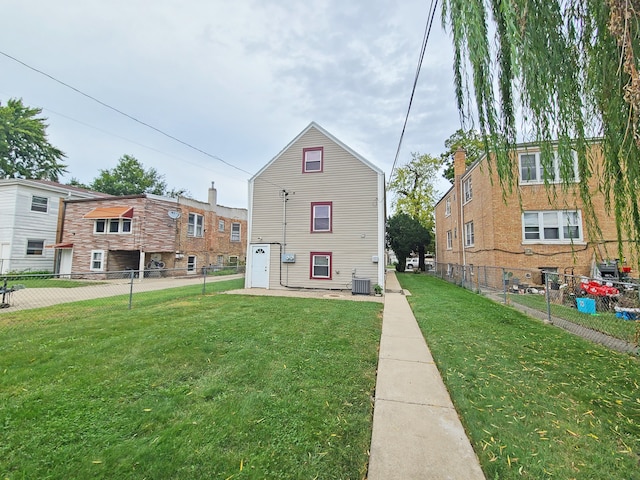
405,235
469,140
569,70
24,149
413,186
74,182
129,177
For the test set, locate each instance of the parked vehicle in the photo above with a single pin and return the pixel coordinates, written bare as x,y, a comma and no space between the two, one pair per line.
413,262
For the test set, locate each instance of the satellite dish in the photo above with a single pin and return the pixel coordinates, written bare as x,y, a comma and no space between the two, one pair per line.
174,214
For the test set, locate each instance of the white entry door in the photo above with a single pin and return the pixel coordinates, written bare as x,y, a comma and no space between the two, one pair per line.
66,254
260,255
5,255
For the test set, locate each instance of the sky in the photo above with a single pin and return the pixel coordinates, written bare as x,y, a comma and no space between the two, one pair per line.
235,79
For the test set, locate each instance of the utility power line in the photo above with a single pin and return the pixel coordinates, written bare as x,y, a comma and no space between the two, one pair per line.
425,40
131,117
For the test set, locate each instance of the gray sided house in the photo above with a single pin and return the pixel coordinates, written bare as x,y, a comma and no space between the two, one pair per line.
29,222
316,218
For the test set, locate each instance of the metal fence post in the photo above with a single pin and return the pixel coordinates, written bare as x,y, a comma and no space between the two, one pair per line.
131,275
504,284
547,291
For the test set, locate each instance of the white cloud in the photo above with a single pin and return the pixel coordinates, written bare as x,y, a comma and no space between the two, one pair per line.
236,79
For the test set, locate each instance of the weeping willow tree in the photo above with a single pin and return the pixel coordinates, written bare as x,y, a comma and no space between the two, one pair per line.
567,70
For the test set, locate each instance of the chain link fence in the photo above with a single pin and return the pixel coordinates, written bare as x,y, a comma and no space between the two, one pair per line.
606,311
20,292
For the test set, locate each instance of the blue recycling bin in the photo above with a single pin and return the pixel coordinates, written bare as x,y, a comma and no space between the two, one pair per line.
586,305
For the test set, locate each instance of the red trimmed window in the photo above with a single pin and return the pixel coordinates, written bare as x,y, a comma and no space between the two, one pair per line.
321,217
320,266
312,159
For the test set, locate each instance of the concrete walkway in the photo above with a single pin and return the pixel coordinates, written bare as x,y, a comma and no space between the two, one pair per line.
416,430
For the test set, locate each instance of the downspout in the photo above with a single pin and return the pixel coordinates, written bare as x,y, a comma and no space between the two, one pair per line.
62,205
459,169
283,248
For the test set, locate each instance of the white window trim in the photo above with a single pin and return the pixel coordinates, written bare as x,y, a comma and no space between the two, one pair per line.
221,225
538,169
314,217
447,207
192,266
469,234
101,254
39,241
236,236
107,226
327,255
560,226
467,190
449,240
46,204
306,161
195,228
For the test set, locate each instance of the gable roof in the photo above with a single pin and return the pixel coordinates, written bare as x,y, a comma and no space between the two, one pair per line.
330,137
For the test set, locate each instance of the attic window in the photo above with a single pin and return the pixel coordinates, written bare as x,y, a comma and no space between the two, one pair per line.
39,204
312,159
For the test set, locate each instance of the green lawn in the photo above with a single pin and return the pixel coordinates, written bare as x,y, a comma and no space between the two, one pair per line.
537,402
186,386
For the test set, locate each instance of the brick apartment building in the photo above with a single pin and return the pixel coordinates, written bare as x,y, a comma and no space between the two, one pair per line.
530,228
148,232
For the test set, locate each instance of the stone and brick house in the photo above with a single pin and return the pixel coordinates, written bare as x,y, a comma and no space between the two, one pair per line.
149,233
530,228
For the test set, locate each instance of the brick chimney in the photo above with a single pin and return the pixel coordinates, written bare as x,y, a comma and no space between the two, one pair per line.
213,196
459,162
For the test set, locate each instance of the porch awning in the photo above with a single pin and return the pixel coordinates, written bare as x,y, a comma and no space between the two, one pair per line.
60,245
110,212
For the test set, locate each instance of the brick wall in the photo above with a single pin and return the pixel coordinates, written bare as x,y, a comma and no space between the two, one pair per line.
498,224
154,234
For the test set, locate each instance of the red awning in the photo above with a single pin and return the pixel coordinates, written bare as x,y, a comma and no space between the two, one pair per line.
110,212
60,245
